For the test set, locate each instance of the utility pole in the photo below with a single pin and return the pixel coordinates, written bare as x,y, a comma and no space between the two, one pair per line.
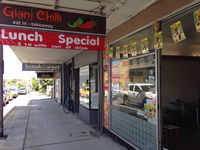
1,91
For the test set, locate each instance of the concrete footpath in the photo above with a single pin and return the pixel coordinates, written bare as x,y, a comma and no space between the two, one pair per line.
43,125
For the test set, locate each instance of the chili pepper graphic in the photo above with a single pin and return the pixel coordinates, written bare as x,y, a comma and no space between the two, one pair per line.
80,24
79,21
87,25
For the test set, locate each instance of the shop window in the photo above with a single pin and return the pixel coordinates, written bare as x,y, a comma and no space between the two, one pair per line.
89,93
94,86
133,109
84,87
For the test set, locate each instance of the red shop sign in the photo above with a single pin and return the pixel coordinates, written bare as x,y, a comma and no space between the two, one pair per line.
30,17
41,39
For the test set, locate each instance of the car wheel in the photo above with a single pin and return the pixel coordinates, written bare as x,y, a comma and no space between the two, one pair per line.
126,100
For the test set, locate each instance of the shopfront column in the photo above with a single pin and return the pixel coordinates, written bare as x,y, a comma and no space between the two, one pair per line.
1,91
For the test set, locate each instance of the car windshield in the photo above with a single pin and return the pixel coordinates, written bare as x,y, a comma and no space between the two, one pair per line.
22,88
13,89
147,88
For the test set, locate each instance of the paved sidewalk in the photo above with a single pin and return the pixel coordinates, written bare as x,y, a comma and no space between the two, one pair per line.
42,125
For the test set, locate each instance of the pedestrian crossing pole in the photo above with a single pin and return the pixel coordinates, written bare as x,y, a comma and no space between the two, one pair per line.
1,91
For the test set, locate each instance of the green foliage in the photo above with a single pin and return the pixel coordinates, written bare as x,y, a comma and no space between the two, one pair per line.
16,82
35,84
41,84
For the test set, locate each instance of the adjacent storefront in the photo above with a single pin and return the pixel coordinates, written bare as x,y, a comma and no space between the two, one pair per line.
180,62
151,85
88,96
133,90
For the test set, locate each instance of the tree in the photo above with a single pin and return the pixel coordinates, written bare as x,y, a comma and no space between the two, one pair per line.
35,84
41,84
16,82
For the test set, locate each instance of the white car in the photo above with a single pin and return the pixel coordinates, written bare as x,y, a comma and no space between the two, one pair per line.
138,93
14,92
22,90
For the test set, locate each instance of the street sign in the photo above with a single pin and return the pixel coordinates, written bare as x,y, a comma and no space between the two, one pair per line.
41,67
45,74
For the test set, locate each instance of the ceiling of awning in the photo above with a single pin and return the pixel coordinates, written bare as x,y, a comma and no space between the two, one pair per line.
43,55
115,11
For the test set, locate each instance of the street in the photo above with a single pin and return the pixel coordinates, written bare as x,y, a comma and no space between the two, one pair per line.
21,100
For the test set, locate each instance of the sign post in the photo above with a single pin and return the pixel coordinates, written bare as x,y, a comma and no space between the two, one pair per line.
1,91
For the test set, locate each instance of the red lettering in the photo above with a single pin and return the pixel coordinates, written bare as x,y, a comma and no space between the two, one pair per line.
39,15
8,13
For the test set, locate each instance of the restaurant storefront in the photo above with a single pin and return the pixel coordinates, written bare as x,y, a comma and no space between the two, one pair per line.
139,82
133,90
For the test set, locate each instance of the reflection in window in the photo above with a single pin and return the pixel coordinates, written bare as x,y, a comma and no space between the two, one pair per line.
84,86
133,100
135,84
94,86
89,94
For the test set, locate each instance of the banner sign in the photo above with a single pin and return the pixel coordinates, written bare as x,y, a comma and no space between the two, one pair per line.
177,32
45,74
197,20
40,67
41,39
14,15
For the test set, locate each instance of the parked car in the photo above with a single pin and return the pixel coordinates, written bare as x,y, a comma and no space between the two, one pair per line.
10,94
22,90
5,97
14,92
137,93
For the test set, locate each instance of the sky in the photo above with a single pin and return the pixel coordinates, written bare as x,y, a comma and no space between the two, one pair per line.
13,66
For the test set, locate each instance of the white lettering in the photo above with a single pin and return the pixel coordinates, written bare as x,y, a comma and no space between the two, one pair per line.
77,41
38,36
30,37
12,36
83,41
86,41
97,41
93,42
69,40
61,38
21,36
3,35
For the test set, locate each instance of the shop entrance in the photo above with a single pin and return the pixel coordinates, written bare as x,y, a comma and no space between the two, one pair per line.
89,94
180,102
55,34
180,82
